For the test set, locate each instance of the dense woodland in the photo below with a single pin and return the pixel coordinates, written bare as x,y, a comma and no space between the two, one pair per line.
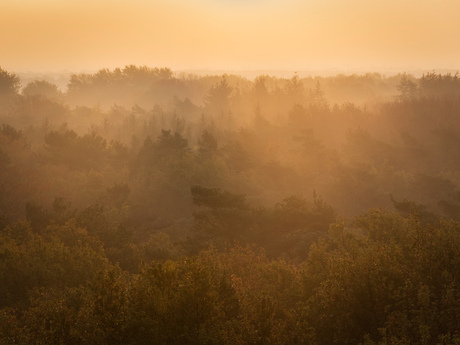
143,206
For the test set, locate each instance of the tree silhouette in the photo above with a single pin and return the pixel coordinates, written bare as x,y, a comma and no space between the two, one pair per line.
41,88
407,88
9,83
218,97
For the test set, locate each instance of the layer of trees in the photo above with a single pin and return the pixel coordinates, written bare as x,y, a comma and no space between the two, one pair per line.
138,204
381,278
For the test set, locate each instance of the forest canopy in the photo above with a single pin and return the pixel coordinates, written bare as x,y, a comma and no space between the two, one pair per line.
139,203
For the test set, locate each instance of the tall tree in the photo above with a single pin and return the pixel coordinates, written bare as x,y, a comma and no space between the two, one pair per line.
9,82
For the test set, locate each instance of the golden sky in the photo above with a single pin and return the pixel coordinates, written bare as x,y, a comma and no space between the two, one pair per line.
52,35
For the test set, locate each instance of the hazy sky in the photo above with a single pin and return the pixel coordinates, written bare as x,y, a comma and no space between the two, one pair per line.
370,35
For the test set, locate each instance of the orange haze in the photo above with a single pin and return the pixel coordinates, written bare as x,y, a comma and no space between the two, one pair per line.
230,34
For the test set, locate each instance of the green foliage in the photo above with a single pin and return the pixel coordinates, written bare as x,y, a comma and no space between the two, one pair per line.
120,254
182,306
289,228
207,144
298,114
296,213
218,97
42,88
32,261
215,198
381,278
407,88
76,152
38,217
407,208
167,149
125,83
294,91
434,84
379,274
118,194
170,145
9,83
4,159
10,132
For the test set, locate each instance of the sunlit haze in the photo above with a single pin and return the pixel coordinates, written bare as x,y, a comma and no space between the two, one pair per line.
54,35
230,172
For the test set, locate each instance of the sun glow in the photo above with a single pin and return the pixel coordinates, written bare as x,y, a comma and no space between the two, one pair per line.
229,34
